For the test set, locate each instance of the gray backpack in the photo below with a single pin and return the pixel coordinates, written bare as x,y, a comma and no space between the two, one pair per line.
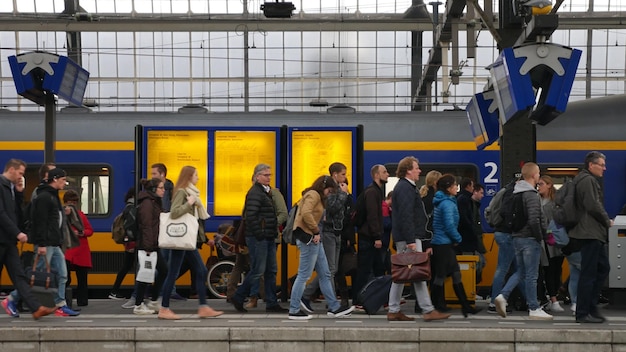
288,236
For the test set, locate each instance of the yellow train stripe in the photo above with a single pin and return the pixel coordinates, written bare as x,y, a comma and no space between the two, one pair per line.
69,145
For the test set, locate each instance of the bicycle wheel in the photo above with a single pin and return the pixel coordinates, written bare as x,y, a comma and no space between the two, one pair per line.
218,277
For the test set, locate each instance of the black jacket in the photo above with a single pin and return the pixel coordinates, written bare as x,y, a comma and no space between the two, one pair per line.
373,226
9,216
260,214
47,215
409,218
466,220
338,208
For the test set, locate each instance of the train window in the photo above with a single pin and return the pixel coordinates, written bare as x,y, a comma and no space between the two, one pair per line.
91,181
559,173
458,170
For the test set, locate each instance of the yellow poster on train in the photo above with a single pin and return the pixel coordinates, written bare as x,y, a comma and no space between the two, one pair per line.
236,155
176,149
311,154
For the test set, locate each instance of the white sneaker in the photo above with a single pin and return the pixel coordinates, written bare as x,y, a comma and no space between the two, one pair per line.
130,304
538,314
573,308
154,305
142,310
555,307
500,302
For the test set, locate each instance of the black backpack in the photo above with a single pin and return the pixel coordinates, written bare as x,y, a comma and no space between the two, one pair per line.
566,212
515,216
504,209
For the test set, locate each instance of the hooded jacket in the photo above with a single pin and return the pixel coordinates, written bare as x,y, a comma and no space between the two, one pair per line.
47,217
536,225
445,219
149,220
595,222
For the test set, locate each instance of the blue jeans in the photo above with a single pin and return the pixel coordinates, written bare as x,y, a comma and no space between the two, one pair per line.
506,258
574,275
594,268
332,249
262,263
175,262
312,256
527,253
56,258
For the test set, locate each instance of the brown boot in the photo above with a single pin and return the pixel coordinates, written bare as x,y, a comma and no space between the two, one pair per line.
43,311
398,317
208,312
252,302
435,315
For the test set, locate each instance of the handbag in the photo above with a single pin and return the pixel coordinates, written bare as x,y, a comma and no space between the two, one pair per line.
180,233
42,281
410,267
147,266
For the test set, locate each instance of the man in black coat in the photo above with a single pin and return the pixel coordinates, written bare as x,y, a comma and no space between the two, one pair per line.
11,187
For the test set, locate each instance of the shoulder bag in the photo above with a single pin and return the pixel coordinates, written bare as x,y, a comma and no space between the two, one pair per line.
180,233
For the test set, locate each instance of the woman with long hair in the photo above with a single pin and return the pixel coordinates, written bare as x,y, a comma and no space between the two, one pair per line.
312,255
552,276
446,236
149,210
79,257
186,199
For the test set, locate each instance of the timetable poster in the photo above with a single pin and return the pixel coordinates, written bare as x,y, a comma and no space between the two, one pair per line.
312,152
176,149
236,155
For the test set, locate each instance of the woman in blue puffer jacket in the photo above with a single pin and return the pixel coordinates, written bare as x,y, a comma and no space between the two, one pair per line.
445,237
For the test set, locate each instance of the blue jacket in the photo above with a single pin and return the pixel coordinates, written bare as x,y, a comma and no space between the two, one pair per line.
445,220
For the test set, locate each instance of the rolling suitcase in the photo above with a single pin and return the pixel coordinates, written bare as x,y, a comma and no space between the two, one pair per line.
375,294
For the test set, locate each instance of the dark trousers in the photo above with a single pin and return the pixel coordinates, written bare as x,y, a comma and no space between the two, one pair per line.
10,259
594,268
82,288
553,275
370,264
161,268
127,264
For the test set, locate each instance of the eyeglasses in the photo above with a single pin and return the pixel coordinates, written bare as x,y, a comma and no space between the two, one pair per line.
603,165
162,187
266,175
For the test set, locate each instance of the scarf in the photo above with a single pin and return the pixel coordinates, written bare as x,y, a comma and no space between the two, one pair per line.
74,219
200,211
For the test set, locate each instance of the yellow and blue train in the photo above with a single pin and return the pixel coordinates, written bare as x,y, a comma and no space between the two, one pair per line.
98,151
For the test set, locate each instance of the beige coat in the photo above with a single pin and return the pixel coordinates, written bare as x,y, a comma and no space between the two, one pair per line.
310,211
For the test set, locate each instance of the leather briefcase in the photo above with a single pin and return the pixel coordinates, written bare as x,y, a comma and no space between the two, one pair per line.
410,267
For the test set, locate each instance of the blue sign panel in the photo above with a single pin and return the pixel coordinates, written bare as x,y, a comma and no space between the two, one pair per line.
68,82
483,119
514,90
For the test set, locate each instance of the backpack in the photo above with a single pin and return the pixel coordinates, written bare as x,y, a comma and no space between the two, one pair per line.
125,227
565,212
515,217
359,212
494,213
288,236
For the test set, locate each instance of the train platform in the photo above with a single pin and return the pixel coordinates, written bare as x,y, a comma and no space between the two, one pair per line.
105,326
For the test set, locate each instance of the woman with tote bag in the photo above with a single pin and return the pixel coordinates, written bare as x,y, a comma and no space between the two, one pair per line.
186,200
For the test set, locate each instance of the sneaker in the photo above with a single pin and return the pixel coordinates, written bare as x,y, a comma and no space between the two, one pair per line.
492,309
538,314
500,302
343,311
10,307
154,305
300,315
555,307
65,311
573,308
306,305
143,310
116,296
176,296
130,304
